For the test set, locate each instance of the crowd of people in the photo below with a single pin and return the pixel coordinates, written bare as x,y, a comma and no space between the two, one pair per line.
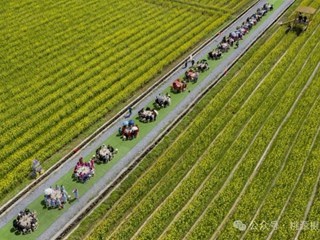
104,153
26,222
129,130
83,171
202,65
56,197
191,74
179,86
148,115
234,37
162,101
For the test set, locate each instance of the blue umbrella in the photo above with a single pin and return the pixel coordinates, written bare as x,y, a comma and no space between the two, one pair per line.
131,122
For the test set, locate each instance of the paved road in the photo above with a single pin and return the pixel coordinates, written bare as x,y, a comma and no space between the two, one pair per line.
144,142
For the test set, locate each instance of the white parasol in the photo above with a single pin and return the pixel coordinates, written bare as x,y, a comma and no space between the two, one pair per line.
48,191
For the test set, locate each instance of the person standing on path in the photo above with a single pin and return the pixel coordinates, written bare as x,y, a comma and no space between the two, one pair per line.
129,112
76,193
237,44
190,59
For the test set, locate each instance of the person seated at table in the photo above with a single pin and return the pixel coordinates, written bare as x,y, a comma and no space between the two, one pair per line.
15,224
58,203
79,164
27,211
91,163
19,228
33,221
47,201
64,191
52,202
76,175
28,229
85,177
91,171
80,176
80,161
33,227
135,129
98,149
131,122
111,149
64,197
33,215
76,168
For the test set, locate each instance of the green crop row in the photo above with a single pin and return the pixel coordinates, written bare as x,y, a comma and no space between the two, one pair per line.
81,75
64,96
288,207
164,204
206,164
67,65
190,185
132,33
207,6
107,223
73,115
59,32
275,161
294,211
311,228
229,88
213,216
228,197
125,35
155,224
189,214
